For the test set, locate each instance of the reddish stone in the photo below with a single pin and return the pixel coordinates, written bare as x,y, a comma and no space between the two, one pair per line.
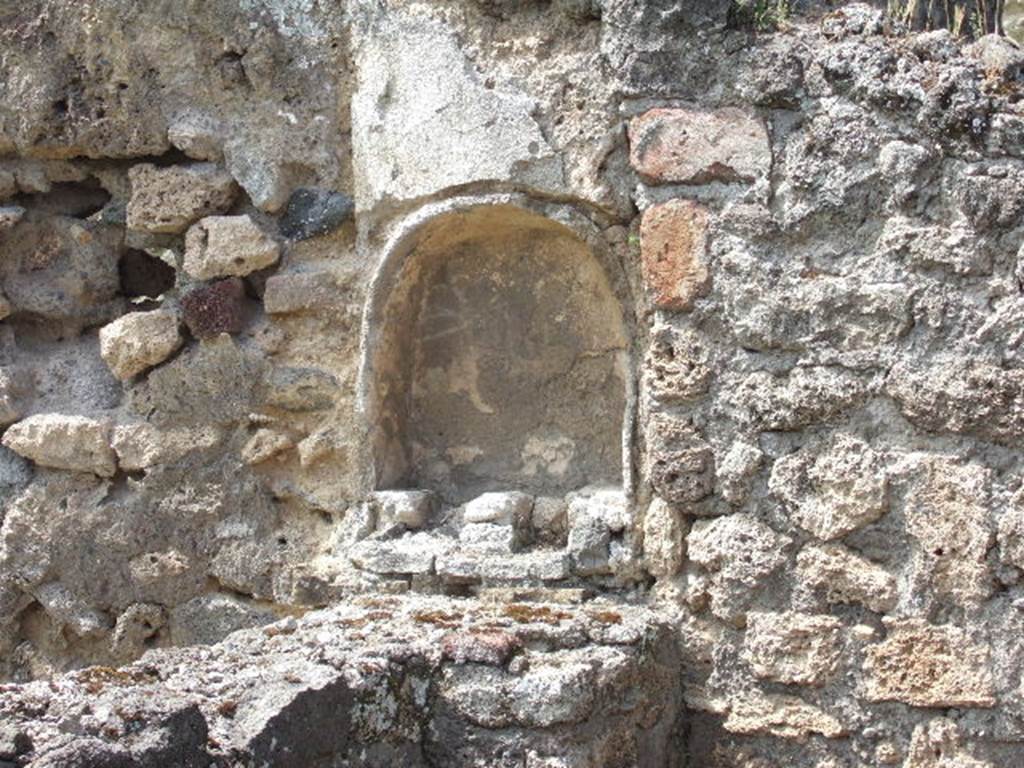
684,146
492,647
673,252
215,308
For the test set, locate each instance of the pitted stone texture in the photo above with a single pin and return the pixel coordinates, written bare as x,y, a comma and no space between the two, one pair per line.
841,576
61,441
793,648
213,309
929,665
676,367
300,389
690,146
168,200
138,341
454,681
225,246
740,554
960,396
804,396
948,517
938,743
409,508
674,253
834,489
680,463
264,445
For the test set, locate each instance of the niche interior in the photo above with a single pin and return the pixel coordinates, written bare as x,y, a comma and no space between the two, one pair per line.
498,358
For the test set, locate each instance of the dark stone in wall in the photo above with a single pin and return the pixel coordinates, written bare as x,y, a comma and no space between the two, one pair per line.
312,212
213,309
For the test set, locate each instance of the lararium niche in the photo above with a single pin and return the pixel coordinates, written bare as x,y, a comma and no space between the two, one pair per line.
496,357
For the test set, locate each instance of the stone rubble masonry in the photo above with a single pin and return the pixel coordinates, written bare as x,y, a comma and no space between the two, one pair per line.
225,246
141,445
929,665
139,340
694,146
168,200
61,441
409,508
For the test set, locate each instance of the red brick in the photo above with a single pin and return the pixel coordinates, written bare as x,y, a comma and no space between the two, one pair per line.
673,252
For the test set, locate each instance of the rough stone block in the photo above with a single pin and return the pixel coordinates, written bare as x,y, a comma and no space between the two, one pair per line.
673,253
15,385
170,199
75,443
522,566
787,717
313,212
688,146
265,445
548,519
588,542
503,508
213,309
225,246
793,648
489,537
138,341
413,554
664,535
929,665
301,292
834,489
680,463
141,445
409,508
844,577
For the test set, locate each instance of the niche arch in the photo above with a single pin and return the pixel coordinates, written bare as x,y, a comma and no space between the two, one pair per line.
498,353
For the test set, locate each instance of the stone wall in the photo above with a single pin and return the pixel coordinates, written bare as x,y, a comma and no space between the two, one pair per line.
500,304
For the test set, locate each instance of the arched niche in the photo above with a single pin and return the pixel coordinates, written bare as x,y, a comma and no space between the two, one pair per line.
497,353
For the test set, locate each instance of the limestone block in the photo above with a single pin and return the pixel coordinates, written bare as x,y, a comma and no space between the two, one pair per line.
737,470
61,441
138,341
787,717
168,200
793,648
929,665
226,246
166,576
673,253
216,308
664,535
806,395
845,577
689,146
413,554
834,489
588,542
520,566
142,445
548,519
137,625
409,508
489,537
502,508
